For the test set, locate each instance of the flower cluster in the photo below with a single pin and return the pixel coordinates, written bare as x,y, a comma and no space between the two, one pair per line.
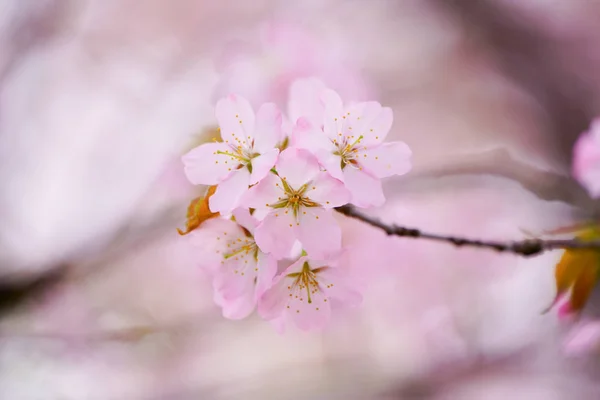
276,188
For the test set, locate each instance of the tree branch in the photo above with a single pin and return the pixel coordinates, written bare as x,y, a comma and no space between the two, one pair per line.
528,247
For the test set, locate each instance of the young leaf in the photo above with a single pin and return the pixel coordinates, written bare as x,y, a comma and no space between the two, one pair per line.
577,272
198,212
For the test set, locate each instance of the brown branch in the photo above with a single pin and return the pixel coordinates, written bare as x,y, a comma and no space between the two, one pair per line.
528,247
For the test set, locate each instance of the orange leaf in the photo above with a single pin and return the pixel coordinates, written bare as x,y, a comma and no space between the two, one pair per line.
577,271
570,267
198,212
583,286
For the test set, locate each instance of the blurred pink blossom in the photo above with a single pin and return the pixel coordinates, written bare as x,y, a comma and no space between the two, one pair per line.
586,159
583,339
286,52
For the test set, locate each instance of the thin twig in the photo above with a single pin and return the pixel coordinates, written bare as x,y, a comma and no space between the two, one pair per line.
528,247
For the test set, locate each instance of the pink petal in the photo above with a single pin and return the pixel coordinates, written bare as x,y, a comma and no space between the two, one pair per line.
287,128
366,191
265,193
232,285
209,240
586,160
235,308
386,160
297,167
328,191
308,310
267,268
306,136
376,123
268,128
319,232
310,315
235,278
366,123
230,191
272,303
203,166
296,266
565,311
305,101
334,109
352,122
583,339
262,164
341,290
332,163
242,217
236,120
275,234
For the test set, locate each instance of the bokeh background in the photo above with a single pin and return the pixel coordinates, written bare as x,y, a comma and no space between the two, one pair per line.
100,298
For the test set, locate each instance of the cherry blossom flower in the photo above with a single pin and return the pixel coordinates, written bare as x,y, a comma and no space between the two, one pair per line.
586,159
303,293
298,201
348,142
245,156
240,271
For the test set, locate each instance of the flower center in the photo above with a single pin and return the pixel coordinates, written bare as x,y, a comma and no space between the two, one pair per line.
242,155
294,199
306,280
247,248
244,254
347,150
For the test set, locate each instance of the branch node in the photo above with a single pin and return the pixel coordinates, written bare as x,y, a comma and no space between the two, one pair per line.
528,247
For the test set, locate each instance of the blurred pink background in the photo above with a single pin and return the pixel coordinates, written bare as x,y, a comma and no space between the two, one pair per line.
102,299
